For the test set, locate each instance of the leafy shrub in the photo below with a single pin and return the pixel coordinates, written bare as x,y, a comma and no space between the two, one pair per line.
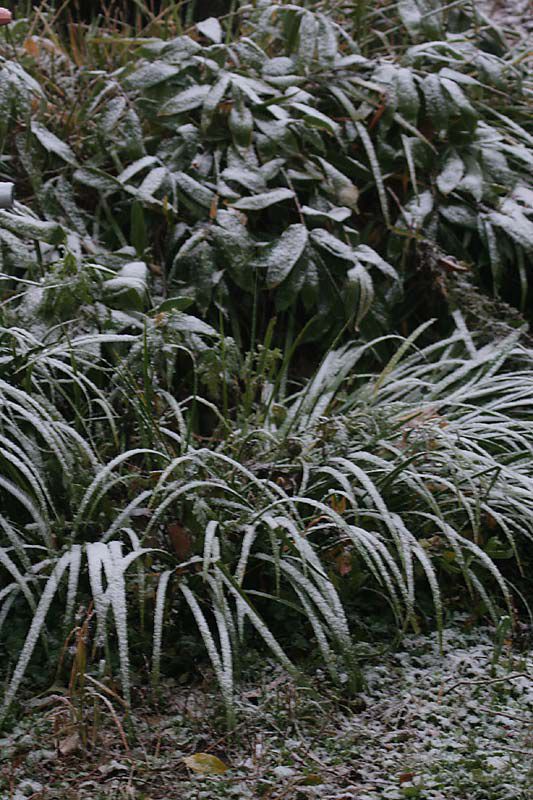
275,164
159,468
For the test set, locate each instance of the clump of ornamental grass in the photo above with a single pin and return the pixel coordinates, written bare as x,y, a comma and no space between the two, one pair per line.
420,470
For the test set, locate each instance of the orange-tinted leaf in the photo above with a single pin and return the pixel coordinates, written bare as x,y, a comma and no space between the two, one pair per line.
491,522
181,540
407,776
31,46
338,504
214,207
344,563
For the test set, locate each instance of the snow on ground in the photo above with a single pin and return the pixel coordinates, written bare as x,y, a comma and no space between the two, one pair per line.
511,13
451,726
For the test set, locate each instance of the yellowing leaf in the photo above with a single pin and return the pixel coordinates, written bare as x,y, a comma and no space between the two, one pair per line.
206,764
31,46
338,504
311,780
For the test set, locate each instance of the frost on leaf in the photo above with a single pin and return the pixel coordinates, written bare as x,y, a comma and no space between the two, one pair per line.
416,211
260,201
452,173
211,29
410,15
150,74
52,143
187,100
283,254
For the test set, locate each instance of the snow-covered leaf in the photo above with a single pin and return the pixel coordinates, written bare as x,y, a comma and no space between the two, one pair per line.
316,118
187,100
334,214
196,191
31,228
151,74
452,173
283,254
259,201
332,245
52,143
131,277
369,256
211,29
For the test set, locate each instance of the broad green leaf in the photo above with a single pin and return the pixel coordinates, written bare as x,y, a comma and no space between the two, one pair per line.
316,118
289,290
137,166
129,137
281,256
235,246
175,303
214,98
259,201
188,100
30,228
131,277
251,179
334,214
452,173
152,182
332,245
211,29
368,256
472,181
139,236
458,77
459,97
416,211
194,189
438,106
114,110
359,294
52,143
460,215
252,88
307,38
151,74
410,15
326,41
339,187
407,92
97,179
515,224
241,121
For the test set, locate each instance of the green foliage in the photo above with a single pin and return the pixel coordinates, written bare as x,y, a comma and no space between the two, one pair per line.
271,166
408,479
191,438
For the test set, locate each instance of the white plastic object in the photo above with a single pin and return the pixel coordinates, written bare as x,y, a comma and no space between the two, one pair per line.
7,195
